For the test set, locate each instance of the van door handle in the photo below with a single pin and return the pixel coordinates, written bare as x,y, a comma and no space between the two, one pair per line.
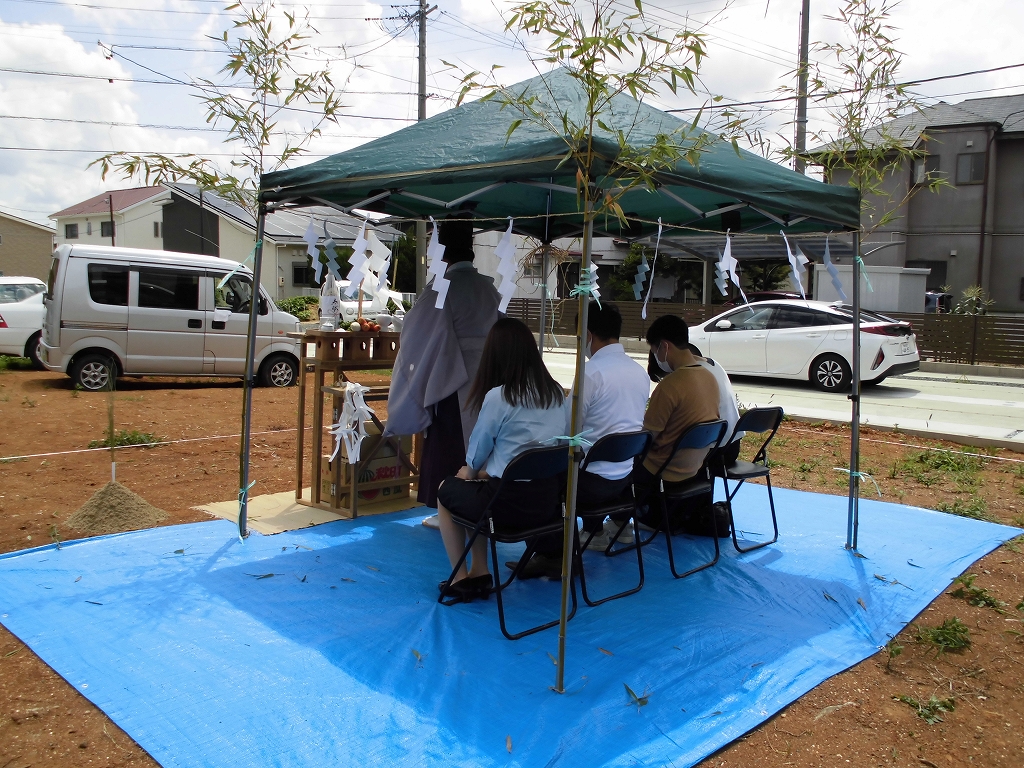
218,325
195,323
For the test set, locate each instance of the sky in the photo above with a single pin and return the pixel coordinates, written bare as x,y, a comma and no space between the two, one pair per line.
64,100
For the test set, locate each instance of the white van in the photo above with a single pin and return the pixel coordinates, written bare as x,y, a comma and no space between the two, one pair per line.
158,313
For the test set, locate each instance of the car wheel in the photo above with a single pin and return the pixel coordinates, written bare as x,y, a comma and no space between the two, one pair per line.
92,371
33,351
279,371
830,373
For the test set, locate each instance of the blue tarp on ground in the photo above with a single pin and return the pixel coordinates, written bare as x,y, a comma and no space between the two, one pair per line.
343,657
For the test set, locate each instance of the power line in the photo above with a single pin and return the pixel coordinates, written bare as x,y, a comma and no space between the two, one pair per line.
793,98
138,152
190,85
177,11
198,129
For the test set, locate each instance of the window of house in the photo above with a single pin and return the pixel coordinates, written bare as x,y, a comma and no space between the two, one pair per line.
108,284
70,231
303,275
1,239
106,229
970,168
168,289
88,227
926,169
156,229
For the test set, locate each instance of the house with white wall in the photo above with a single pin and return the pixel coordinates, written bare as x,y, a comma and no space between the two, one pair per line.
181,217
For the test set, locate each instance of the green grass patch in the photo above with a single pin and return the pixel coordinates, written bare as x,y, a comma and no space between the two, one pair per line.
974,508
9,363
126,437
929,710
975,596
950,635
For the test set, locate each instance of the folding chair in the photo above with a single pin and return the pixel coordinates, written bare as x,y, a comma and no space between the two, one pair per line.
626,446
705,436
757,421
531,464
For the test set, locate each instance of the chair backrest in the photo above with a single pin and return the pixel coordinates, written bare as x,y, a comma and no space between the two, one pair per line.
538,463
623,446
706,435
760,420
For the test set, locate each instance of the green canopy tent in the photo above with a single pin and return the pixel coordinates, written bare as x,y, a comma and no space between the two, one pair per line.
465,159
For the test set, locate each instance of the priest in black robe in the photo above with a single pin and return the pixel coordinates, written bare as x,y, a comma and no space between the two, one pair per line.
438,359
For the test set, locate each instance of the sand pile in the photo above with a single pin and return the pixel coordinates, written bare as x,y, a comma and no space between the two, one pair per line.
112,509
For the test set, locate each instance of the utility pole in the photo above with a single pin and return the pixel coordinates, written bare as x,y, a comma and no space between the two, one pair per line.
421,226
110,205
800,142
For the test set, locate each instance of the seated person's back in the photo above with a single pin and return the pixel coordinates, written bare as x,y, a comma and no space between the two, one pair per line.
687,396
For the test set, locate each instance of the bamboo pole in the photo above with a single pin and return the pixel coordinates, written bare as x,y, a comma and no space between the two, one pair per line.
571,485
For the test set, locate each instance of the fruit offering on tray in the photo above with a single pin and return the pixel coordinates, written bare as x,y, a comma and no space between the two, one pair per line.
364,325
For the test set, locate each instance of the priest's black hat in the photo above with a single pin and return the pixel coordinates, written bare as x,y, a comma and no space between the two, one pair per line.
456,235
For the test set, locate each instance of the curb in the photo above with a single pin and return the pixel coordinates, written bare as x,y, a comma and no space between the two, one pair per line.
965,369
979,442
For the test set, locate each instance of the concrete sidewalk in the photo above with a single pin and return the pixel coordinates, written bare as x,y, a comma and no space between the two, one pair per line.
972,410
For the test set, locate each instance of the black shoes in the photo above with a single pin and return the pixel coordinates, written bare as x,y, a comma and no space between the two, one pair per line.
467,590
539,566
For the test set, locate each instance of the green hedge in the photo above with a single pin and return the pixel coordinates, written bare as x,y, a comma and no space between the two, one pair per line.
303,307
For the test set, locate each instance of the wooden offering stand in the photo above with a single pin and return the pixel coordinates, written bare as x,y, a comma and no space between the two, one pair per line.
336,486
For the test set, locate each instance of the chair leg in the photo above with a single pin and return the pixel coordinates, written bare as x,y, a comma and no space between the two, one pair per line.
668,541
578,553
732,520
500,587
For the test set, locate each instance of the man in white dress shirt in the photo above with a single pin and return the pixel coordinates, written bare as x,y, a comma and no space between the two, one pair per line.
615,393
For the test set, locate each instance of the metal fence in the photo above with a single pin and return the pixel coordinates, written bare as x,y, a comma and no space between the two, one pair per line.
943,338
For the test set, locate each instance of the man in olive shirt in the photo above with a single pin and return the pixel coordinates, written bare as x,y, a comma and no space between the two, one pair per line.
688,395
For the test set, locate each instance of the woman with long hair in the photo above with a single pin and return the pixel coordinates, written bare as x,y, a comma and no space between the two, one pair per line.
519,406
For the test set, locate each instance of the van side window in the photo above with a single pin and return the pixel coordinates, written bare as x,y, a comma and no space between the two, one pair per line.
168,289
236,294
108,284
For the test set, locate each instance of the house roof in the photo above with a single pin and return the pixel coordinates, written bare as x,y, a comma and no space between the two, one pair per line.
120,199
284,226
1005,112
20,220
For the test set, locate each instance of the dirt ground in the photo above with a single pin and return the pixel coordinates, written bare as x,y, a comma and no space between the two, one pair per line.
853,718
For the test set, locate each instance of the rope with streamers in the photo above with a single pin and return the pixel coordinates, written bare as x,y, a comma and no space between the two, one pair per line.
860,476
243,500
588,285
241,264
864,272
576,441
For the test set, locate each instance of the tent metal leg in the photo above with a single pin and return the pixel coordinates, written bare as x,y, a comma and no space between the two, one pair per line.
854,498
250,382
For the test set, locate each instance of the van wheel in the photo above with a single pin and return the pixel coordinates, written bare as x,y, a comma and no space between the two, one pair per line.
92,371
830,373
279,371
33,352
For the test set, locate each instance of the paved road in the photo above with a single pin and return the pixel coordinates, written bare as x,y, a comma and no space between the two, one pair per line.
947,405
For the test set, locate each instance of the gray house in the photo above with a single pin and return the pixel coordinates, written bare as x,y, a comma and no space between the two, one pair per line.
970,232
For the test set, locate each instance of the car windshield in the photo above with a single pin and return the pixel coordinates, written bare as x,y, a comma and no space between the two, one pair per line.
11,293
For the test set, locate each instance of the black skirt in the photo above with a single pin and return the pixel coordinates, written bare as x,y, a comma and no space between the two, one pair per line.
444,451
522,505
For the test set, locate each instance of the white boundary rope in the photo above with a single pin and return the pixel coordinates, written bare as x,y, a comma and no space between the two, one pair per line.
141,445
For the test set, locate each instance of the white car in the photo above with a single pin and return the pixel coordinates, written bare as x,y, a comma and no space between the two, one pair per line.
21,317
374,304
810,340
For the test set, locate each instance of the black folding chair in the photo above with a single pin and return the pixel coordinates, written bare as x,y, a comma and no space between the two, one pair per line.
705,436
531,464
757,421
626,446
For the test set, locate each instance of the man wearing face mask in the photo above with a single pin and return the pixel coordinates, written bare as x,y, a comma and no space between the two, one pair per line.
615,394
687,395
